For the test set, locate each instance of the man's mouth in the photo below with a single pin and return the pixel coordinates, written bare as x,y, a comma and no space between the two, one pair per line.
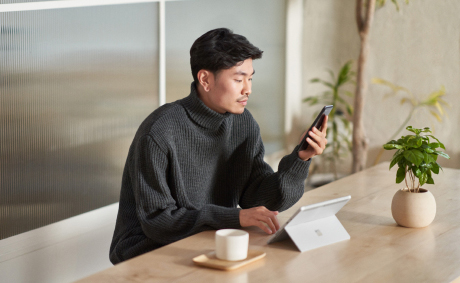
243,102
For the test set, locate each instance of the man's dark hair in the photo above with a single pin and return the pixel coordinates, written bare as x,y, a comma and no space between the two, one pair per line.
220,49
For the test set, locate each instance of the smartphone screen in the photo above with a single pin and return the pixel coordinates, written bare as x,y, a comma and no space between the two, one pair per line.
317,124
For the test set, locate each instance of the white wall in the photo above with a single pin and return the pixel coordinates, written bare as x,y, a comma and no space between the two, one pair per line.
263,23
417,48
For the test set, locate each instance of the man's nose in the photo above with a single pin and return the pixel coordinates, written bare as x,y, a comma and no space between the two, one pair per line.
247,88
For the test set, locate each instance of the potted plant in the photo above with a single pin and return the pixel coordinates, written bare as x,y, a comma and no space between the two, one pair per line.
416,157
433,103
339,126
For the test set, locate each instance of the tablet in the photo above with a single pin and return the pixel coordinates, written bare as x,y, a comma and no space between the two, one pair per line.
314,225
317,124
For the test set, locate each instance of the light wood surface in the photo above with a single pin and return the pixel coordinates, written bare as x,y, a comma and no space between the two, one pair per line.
210,260
379,250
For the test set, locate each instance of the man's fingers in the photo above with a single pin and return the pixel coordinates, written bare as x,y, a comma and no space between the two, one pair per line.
324,126
315,146
319,139
260,217
318,132
263,227
270,224
268,218
275,221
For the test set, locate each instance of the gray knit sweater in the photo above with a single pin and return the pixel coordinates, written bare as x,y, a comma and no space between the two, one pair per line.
187,170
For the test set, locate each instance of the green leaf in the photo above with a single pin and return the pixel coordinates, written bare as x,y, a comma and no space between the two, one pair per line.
400,175
315,80
423,168
328,84
414,156
435,168
345,122
331,73
434,145
414,130
428,158
436,115
349,109
443,154
440,143
396,4
426,148
407,139
426,130
415,142
423,178
440,166
426,165
344,74
398,152
392,146
395,160
312,100
430,180
341,100
416,171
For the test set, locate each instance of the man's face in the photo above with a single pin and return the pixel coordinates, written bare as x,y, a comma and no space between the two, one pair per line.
230,89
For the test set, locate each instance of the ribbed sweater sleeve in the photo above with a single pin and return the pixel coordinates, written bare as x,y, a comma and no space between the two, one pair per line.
276,191
161,219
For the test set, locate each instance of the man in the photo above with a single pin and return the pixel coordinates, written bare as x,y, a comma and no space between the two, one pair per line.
192,162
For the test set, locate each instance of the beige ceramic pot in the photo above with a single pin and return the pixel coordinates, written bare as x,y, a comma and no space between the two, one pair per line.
414,210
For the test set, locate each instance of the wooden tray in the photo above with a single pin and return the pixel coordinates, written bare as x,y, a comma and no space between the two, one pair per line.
210,260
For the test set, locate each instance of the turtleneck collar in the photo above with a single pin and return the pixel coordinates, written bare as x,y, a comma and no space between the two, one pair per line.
200,113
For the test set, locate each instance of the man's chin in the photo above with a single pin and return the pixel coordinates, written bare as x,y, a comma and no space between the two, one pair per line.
237,111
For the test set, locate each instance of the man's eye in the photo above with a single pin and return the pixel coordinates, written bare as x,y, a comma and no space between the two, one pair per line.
250,79
239,81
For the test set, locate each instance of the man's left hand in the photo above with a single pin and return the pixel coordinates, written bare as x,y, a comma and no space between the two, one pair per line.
317,142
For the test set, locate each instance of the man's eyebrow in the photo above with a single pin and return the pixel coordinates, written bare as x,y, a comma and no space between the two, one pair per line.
244,73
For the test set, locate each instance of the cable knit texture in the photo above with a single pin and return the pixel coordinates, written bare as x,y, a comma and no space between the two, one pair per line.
187,170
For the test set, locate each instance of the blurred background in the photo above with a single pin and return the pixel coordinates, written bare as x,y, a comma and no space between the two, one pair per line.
75,83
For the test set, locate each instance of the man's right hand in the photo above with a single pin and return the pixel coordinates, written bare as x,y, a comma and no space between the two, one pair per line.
259,216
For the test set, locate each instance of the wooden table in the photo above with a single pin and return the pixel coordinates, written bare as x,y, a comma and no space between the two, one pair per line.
378,251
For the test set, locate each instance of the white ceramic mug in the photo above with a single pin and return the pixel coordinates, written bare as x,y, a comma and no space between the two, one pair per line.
232,244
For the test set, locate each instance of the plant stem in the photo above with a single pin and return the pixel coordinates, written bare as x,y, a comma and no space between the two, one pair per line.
405,179
412,178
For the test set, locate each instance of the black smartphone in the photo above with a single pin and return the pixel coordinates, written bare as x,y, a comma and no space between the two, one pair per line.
317,124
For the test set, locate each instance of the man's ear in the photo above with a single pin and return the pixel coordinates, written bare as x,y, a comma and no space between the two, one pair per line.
205,78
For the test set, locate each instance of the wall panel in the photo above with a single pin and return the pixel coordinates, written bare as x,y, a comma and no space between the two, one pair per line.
74,86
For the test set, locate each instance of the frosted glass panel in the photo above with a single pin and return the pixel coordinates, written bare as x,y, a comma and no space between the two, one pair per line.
263,22
20,1
74,86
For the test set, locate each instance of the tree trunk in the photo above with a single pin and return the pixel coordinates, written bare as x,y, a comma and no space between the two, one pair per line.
360,143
